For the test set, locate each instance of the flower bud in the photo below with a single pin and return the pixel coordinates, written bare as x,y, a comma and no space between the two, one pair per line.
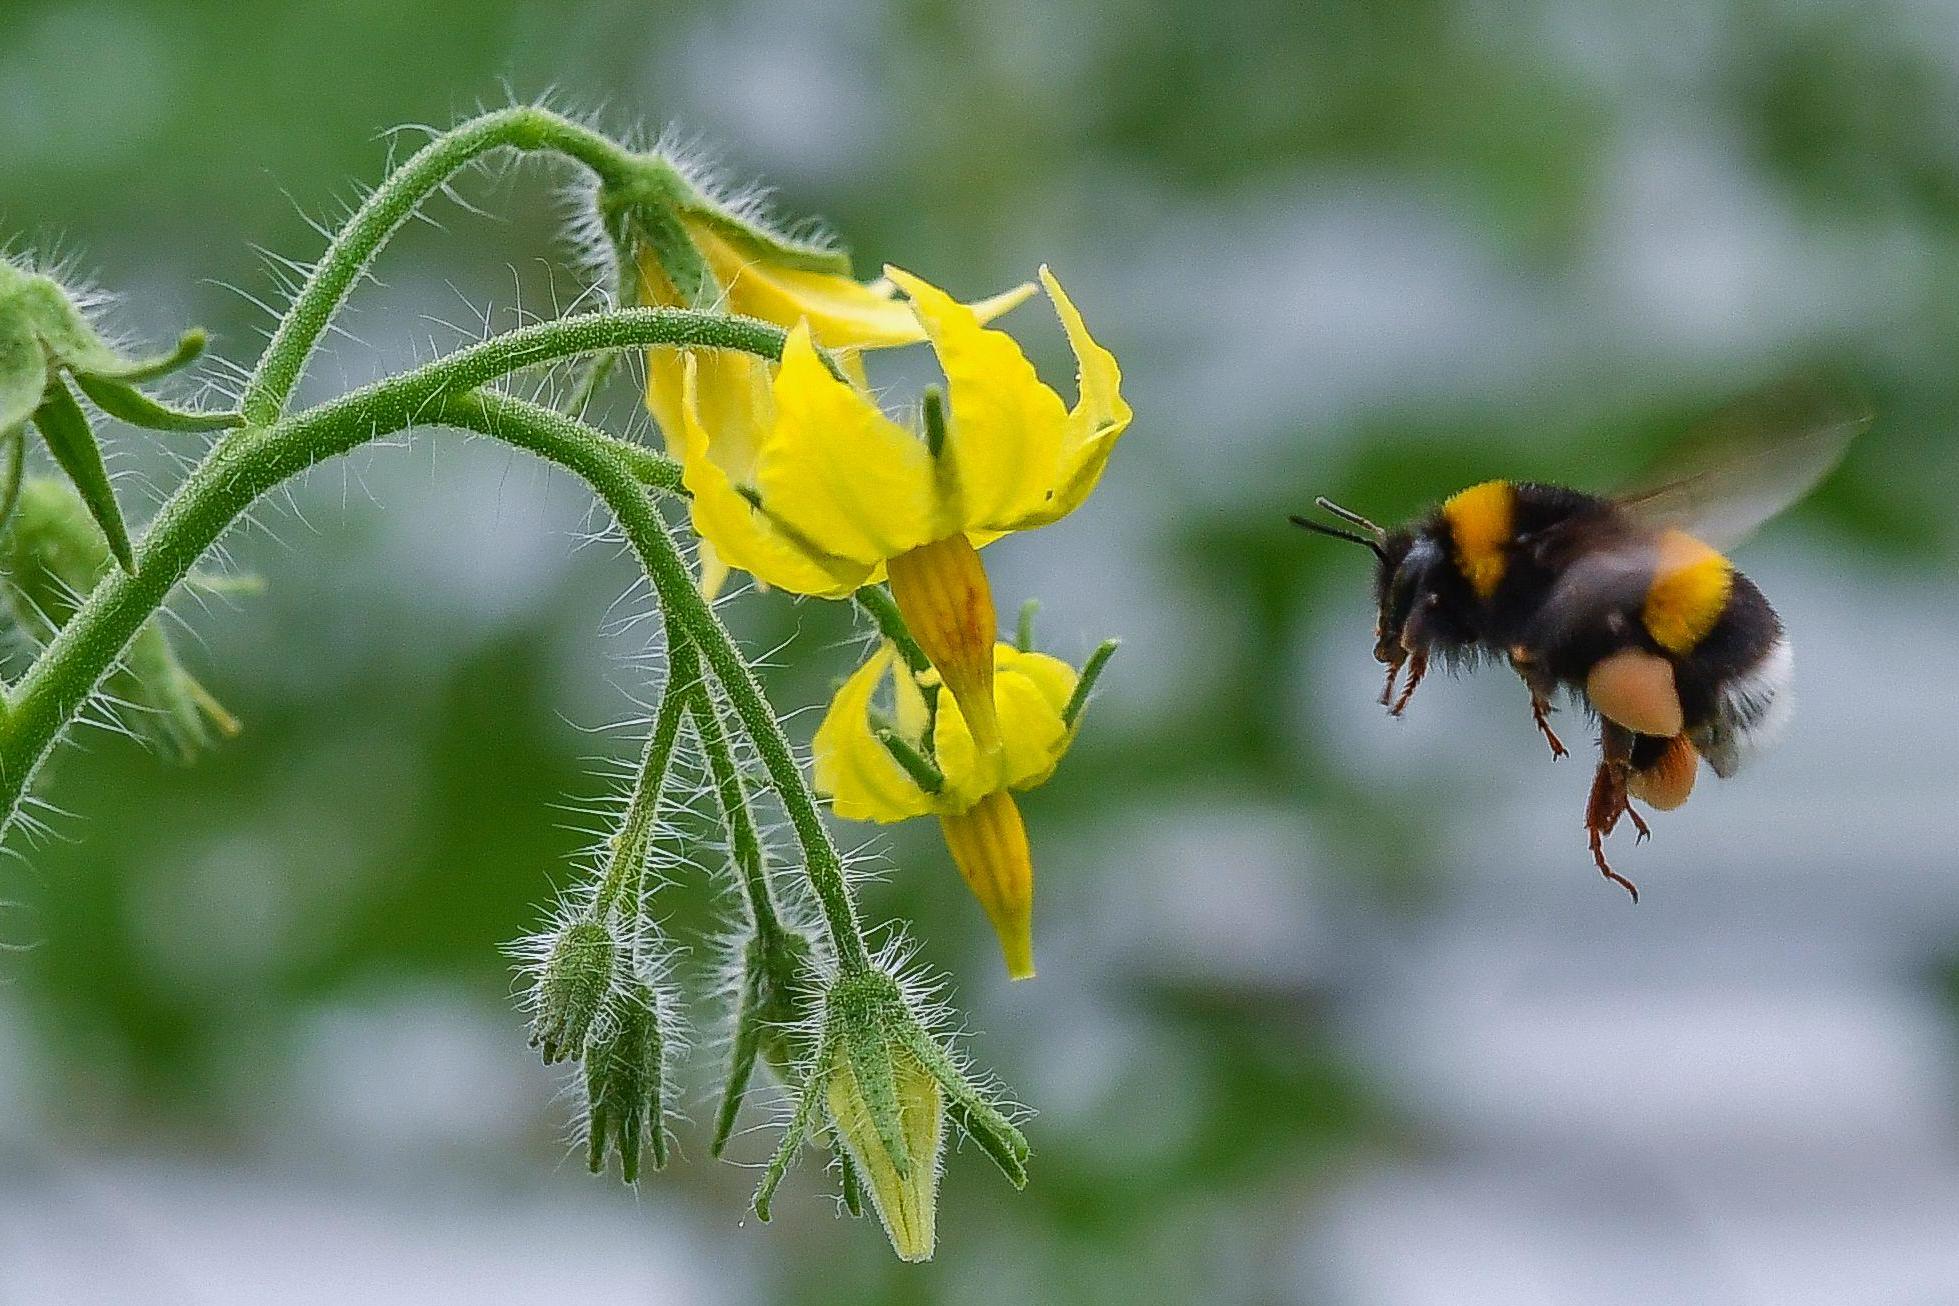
889,1111
886,1088
625,1084
573,982
53,557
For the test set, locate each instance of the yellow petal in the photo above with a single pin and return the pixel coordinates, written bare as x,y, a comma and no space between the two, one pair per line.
1096,422
1029,692
732,391
838,475
842,312
1003,447
742,536
852,768
1032,689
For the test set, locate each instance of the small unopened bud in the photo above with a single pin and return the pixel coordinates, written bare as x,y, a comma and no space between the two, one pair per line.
889,1111
886,1087
625,1086
572,985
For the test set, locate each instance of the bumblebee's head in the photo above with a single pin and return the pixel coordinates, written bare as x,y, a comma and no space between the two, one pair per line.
1400,574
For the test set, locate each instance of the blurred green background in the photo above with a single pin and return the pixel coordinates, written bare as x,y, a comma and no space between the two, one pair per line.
1332,1009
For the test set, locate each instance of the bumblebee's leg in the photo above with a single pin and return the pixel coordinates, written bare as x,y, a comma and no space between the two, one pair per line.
1608,801
1417,668
1645,831
1387,690
1540,688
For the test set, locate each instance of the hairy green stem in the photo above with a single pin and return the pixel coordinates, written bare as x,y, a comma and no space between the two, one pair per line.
744,842
235,474
523,127
629,844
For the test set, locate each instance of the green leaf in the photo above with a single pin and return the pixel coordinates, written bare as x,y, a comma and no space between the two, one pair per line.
65,427
120,399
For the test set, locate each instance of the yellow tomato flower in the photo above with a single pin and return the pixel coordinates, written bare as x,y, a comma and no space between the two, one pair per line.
861,774
844,315
816,491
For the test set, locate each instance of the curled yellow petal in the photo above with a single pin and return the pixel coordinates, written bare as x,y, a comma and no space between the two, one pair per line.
1096,422
741,535
838,475
842,313
853,769
988,841
1003,446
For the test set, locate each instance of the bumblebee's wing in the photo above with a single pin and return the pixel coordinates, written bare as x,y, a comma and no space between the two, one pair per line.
1756,463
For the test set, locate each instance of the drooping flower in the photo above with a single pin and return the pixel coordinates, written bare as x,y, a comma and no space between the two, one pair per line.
843,314
814,490
920,758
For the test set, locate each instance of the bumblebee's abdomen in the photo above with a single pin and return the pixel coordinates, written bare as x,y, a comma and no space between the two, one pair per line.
1735,683
1689,593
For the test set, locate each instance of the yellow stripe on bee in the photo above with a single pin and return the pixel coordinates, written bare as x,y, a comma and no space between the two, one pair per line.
1690,589
1482,520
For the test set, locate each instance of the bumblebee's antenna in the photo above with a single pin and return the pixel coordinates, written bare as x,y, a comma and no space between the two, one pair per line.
1338,534
1344,514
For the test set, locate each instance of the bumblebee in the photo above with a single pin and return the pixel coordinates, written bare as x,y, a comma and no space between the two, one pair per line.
1628,603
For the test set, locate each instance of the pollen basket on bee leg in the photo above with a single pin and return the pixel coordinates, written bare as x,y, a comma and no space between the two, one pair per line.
1636,689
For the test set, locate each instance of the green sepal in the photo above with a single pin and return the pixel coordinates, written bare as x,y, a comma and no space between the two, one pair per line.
847,1176
23,374
777,247
1024,628
776,969
807,1102
188,349
868,1050
660,232
121,400
1085,683
625,1086
65,428
968,1107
